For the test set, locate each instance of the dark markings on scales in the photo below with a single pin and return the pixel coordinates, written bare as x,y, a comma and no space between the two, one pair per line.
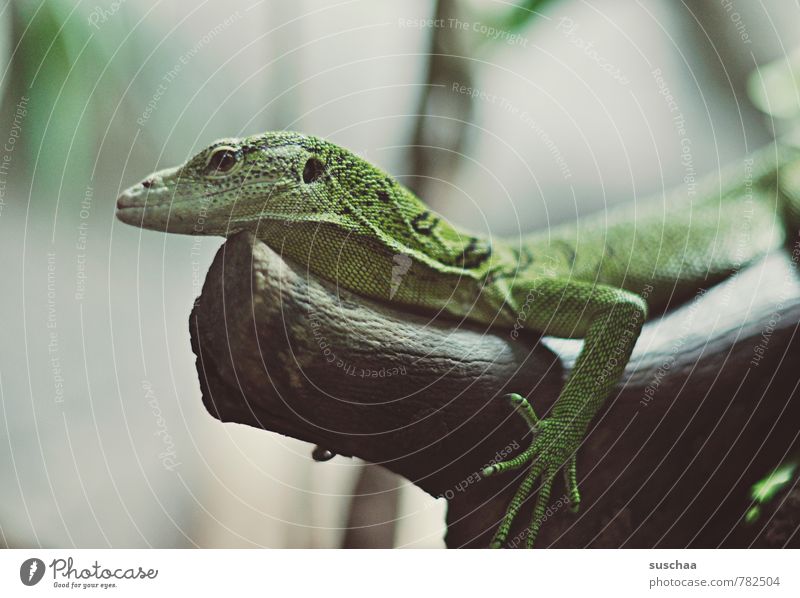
424,223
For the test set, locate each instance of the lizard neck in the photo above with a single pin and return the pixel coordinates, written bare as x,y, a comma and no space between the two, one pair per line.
394,217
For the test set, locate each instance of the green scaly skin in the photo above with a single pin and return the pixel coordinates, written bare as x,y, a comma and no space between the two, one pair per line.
348,221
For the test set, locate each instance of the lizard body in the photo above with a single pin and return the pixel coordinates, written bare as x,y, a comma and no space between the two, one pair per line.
351,223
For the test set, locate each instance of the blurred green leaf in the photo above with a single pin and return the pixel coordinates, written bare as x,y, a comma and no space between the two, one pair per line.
519,17
55,65
775,87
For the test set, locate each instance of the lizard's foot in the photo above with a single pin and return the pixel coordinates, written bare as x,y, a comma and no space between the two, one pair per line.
552,449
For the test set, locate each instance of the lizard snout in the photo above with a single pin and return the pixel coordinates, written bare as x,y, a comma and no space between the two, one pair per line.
130,199
152,191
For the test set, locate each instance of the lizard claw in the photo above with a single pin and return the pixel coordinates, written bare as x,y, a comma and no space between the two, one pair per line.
571,483
523,408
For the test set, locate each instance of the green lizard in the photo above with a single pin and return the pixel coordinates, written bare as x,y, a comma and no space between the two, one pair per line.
348,222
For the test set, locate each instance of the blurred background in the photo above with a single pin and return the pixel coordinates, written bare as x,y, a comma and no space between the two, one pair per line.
504,117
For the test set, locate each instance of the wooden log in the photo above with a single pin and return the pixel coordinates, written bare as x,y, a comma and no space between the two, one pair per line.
708,404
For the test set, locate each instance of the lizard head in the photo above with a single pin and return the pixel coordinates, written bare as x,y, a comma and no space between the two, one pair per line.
236,184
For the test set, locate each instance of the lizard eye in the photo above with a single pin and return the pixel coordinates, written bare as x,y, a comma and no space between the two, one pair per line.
313,170
221,161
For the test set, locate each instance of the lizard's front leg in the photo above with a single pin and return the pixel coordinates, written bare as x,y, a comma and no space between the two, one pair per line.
609,320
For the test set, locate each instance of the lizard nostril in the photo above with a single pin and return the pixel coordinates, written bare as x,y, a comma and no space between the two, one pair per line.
147,183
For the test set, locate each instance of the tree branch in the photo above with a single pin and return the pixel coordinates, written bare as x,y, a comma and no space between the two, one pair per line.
708,405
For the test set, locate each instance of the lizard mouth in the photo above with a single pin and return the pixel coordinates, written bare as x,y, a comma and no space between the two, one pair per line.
154,206
137,201
133,203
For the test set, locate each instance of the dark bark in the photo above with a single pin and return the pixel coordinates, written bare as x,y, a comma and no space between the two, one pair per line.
671,471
